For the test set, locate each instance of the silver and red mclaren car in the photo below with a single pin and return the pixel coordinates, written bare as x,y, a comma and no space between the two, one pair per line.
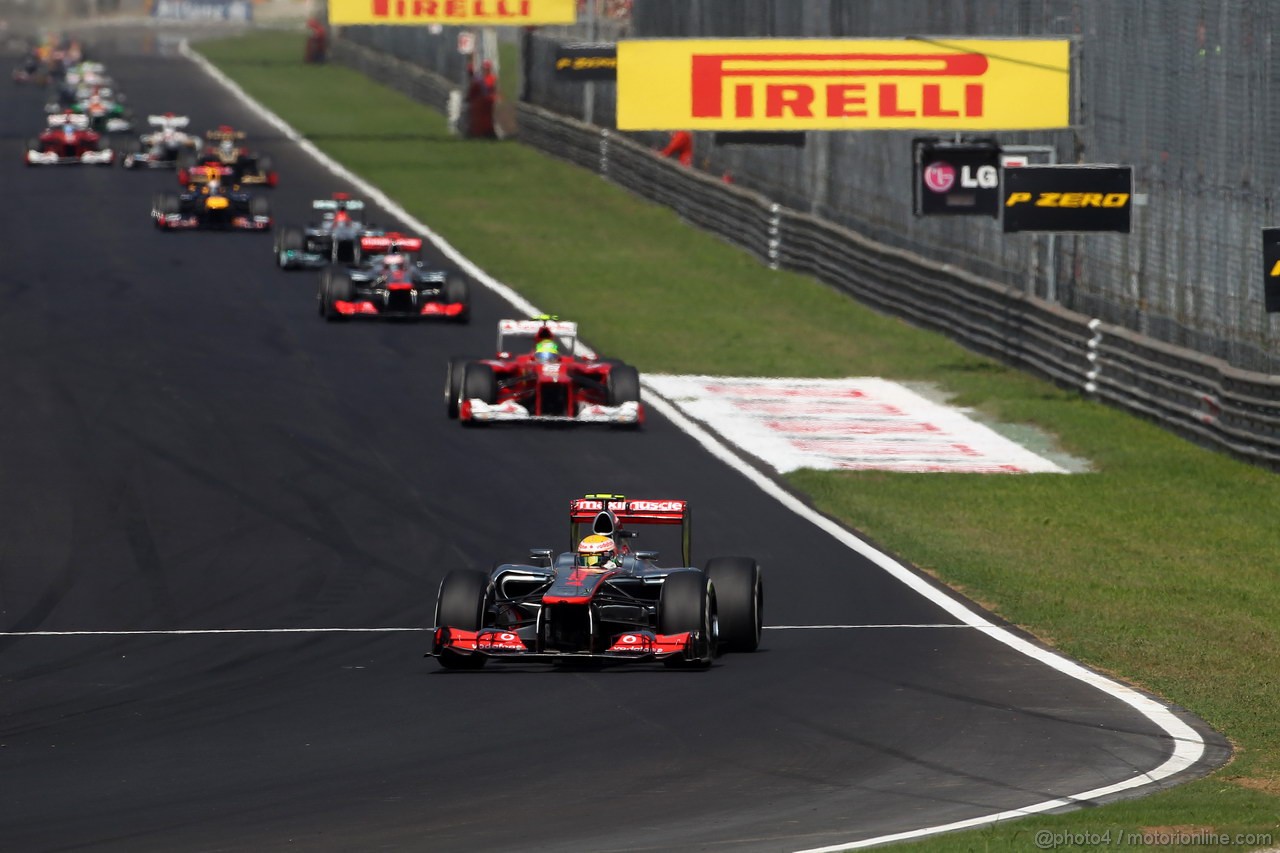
570,608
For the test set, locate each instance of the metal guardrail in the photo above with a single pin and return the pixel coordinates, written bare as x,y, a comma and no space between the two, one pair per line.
1197,396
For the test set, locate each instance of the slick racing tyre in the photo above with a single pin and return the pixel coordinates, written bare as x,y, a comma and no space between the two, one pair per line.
129,150
461,604
290,240
623,384
259,206
687,603
739,590
453,385
165,204
334,287
479,383
456,290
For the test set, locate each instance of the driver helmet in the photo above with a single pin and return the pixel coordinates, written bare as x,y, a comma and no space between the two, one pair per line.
546,350
597,551
393,263
226,149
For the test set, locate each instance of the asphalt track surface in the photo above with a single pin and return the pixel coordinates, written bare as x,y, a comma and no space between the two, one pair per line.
186,446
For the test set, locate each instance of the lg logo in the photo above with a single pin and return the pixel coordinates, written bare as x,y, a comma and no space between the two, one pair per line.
940,177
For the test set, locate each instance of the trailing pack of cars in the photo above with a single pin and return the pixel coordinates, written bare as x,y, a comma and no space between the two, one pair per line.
602,601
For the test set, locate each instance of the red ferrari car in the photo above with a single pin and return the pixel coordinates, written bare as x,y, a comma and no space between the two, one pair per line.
603,601
68,139
538,374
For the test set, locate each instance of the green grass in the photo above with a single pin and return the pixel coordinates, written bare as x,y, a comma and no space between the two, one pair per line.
1161,566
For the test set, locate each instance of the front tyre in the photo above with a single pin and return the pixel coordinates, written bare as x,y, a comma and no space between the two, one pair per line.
623,385
460,603
453,377
688,603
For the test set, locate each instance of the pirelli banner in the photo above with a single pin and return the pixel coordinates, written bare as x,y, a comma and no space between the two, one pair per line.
1068,198
1271,268
488,13
844,84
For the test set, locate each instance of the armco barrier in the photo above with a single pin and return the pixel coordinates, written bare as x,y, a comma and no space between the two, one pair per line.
1198,396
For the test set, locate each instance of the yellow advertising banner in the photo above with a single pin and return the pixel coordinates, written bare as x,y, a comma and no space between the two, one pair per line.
844,84
488,13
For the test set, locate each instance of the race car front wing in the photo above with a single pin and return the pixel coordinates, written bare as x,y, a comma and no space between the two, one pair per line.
104,157
501,643
509,410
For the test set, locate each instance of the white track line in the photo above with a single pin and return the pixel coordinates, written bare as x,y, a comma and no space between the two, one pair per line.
174,632
1188,746
181,631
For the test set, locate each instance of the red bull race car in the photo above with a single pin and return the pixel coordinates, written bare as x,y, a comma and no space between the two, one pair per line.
211,205
602,601
390,281
68,140
539,374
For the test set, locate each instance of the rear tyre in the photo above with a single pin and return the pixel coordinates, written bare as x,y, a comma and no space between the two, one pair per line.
453,385
456,290
687,603
460,604
739,589
130,149
623,385
259,206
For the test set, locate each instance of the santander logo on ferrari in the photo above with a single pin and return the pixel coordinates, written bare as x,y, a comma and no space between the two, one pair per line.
940,177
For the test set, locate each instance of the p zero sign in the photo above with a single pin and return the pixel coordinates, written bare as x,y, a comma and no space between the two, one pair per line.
956,178
845,84
1271,268
587,61
1068,198
459,12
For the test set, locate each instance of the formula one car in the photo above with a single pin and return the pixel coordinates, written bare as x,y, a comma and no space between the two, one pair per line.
334,239
390,282
233,162
68,139
538,375
211,206
603,601
105,113
160,148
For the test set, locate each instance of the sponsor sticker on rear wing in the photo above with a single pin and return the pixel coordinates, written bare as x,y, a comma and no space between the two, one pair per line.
173,122
559,328
390,243
644,511
339,204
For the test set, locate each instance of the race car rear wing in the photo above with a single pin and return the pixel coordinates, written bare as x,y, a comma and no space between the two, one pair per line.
337,204
607,514
171,122
519,335
390,244
76,120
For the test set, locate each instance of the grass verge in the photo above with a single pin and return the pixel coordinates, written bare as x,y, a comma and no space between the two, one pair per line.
1161,566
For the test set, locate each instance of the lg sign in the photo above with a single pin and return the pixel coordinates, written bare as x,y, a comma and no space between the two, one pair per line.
940,177
956,177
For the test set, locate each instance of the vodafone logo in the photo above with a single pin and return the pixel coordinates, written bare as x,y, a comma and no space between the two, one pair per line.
940,177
